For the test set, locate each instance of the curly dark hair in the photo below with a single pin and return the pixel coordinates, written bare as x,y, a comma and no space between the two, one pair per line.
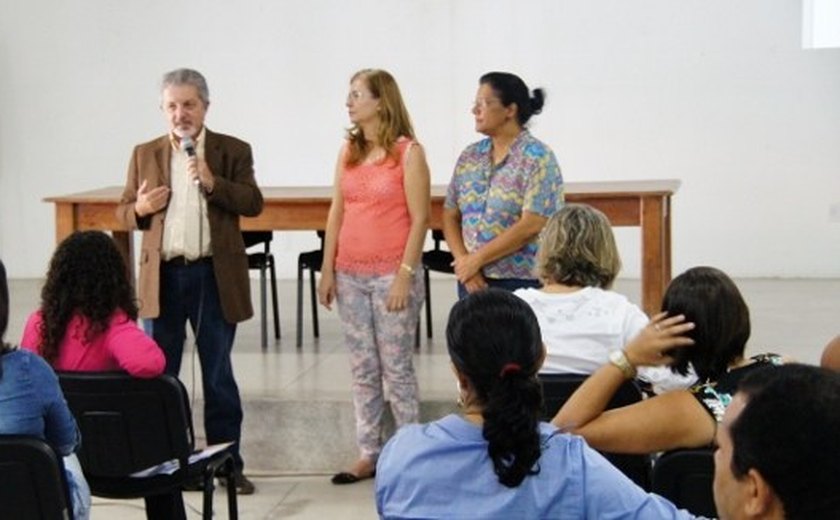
87,277
494,340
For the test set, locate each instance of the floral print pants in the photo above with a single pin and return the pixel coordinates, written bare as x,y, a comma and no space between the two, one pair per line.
381,345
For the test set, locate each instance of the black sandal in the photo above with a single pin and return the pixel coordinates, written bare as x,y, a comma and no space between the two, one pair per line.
345,477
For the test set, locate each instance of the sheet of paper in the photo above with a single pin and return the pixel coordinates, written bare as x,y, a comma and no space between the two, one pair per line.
171,466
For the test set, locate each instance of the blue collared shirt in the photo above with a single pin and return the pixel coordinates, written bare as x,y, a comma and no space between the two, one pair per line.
442,470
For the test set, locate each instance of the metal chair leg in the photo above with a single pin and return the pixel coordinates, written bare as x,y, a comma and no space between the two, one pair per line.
299,330
274,304
313,293
263,311
233,507
428,303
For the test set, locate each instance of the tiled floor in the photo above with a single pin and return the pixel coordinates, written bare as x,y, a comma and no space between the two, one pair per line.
297,497
792,317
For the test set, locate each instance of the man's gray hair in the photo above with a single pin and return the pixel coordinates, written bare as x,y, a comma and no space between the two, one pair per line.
187,77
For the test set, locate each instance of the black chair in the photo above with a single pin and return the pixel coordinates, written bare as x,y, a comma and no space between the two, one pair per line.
557,388
263,261
308,261
438,260
130,424
685,478
32,481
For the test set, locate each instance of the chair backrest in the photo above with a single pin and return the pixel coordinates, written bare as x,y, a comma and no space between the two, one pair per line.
32,480
685,478
313,259
557,388
128,424
252,238
438,259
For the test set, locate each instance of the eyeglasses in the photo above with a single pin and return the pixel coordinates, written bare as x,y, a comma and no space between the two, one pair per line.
483,103
356,95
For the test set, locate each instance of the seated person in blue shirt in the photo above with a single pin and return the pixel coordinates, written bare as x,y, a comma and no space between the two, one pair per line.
31,403
496,459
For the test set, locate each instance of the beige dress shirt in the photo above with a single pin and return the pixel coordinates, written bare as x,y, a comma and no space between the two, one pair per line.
186,229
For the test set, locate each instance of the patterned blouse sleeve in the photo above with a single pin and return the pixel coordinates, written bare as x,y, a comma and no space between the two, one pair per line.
544,192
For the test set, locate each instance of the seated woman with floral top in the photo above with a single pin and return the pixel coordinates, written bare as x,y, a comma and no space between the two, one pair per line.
706,323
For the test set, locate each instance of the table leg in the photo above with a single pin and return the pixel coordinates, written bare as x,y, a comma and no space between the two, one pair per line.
656,258
65,223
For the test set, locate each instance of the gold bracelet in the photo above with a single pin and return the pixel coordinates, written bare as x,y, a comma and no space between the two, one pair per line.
406,267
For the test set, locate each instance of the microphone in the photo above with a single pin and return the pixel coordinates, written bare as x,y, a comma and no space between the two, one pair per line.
188,146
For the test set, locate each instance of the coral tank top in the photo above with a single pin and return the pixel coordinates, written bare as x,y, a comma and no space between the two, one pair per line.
375,224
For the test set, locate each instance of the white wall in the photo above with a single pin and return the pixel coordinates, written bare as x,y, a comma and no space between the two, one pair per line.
716,93
820,24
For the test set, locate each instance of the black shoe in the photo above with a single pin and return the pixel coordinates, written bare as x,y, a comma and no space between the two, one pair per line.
243,485
345,477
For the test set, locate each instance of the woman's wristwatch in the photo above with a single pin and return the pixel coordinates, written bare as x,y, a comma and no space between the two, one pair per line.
619,359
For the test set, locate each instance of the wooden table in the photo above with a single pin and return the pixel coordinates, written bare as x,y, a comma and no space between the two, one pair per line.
644,204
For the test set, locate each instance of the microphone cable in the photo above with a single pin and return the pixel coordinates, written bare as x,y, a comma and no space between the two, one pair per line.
189,148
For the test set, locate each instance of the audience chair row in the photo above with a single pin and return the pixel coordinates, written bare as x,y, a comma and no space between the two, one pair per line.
682,476
130,425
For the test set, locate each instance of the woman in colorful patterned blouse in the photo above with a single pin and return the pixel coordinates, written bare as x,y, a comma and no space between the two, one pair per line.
374,238
503,190
705,322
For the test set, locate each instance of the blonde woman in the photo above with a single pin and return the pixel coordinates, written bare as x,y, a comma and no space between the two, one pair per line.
375,231
581,319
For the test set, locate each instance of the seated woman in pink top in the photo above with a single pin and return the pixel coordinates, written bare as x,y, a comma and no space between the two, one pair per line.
87,317
87,323
374,238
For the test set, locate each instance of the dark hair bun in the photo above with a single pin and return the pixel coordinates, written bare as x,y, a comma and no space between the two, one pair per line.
537,100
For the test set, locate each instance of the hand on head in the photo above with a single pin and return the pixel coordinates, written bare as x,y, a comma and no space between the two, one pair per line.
652,346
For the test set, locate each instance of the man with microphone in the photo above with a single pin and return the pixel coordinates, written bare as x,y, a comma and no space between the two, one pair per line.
186,191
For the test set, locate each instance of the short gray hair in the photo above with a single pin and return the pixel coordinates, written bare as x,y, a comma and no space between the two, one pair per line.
187,77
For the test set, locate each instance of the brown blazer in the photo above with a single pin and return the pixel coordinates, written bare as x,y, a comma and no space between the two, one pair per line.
235,193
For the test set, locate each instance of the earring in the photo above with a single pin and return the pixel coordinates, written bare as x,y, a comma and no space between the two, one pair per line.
460,400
